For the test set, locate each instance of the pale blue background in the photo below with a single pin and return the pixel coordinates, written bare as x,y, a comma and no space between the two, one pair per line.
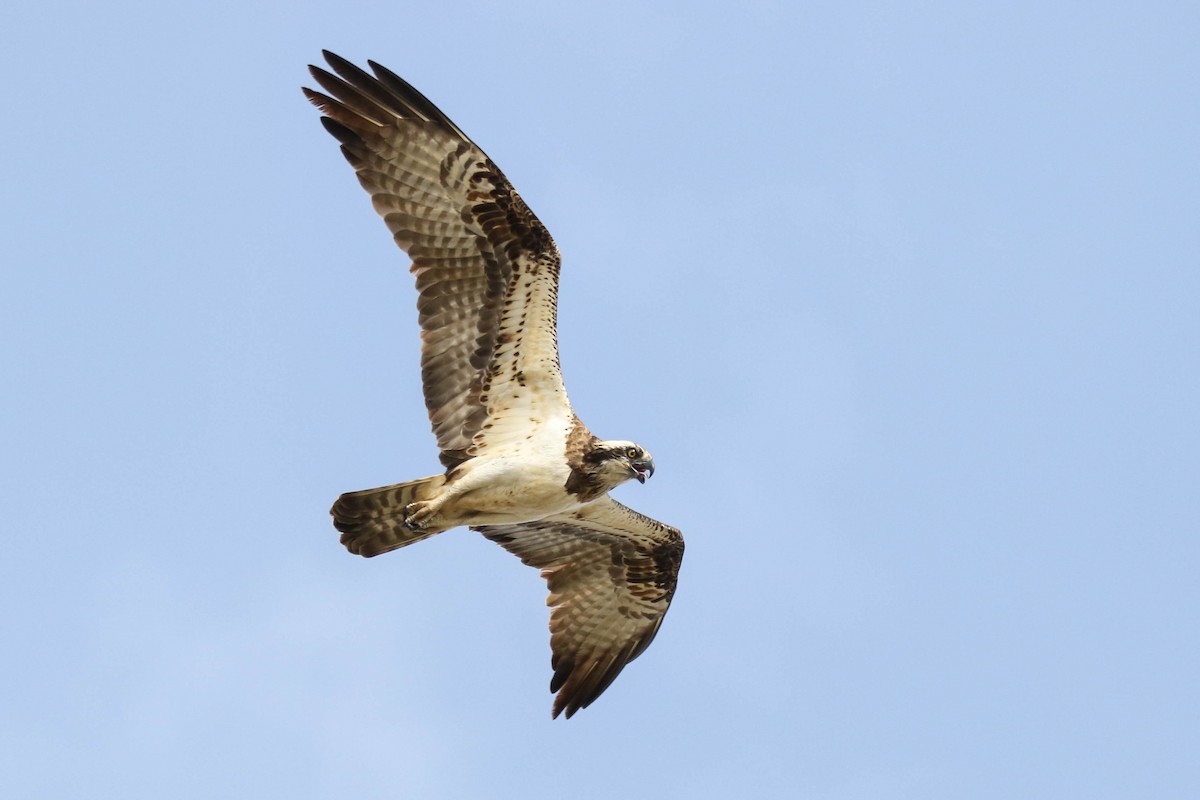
903,297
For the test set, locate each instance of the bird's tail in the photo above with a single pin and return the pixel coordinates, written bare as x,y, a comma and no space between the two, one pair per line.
372,521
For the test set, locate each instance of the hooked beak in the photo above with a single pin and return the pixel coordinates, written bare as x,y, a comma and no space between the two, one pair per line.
642,470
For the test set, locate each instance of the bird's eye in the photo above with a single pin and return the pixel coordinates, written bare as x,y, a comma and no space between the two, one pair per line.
632,452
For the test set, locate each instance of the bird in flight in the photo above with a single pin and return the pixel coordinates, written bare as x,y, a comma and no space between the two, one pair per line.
519,466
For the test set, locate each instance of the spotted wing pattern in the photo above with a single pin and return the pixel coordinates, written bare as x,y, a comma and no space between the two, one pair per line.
486,269
612,574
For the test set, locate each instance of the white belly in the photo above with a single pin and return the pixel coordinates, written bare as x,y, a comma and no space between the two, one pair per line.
502,490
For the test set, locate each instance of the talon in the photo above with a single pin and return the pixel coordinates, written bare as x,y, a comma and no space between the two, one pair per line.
417,515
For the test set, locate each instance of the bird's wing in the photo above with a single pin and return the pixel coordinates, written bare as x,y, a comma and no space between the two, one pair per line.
612,573
486,268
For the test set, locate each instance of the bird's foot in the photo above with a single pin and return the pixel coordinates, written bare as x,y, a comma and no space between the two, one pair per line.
418,515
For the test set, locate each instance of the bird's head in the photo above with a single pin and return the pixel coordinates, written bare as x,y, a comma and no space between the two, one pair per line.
617,461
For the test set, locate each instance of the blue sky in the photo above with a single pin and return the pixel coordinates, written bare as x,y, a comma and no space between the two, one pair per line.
903,297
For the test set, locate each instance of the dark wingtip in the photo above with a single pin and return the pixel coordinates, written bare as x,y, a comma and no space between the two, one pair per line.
332,58
562,707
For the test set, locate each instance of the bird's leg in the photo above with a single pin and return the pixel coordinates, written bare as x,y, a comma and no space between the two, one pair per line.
419,514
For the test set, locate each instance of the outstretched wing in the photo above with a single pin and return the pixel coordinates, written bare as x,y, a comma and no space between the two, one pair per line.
612,573
486,268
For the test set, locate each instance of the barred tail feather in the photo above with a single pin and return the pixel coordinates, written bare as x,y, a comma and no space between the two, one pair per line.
372,521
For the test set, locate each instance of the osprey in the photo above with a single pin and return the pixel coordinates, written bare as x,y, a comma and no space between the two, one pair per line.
520,467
